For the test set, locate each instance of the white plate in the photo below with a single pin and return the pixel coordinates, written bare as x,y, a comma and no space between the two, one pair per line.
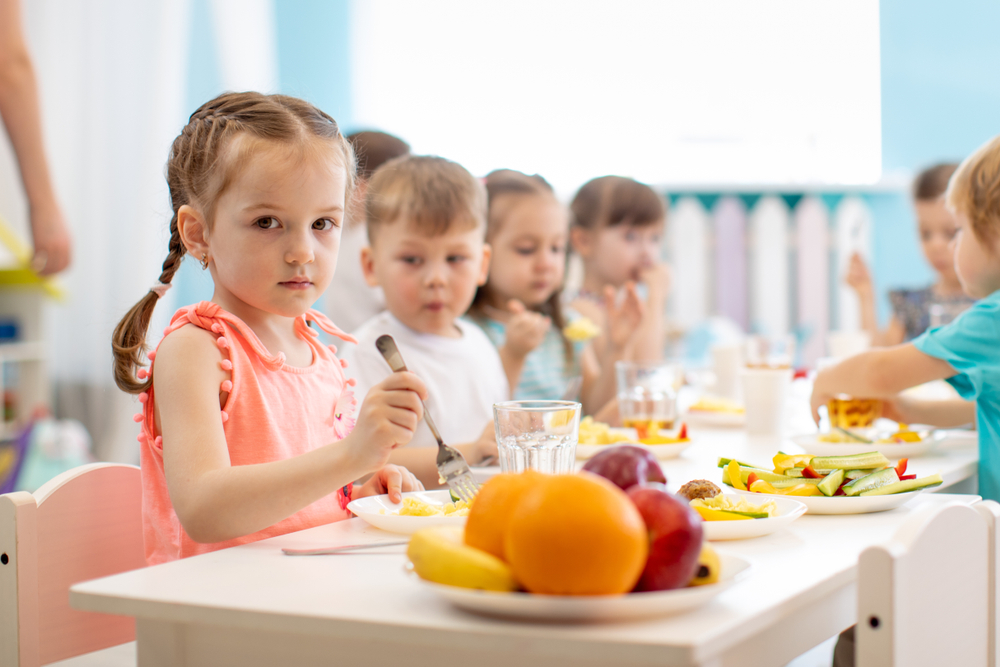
843,504
369,509
718,419
788,511
592,608
892,450
659,451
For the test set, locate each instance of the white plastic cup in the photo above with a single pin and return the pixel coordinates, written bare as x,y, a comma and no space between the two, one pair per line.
765,392
727,362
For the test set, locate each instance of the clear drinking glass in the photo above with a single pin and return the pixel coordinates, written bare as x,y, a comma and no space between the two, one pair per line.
647,395
540,435
769,351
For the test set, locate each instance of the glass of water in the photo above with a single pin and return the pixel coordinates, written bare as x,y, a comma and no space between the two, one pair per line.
540,435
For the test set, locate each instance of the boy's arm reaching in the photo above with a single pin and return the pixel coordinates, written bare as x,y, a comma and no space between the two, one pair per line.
947,413
879,373
216,501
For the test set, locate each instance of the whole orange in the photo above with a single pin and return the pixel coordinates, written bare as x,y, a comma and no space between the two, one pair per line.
492,508
576,535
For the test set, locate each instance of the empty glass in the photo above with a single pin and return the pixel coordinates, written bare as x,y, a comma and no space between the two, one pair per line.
647,395
540,435
769,351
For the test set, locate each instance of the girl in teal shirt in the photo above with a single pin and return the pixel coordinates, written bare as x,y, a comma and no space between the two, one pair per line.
966,352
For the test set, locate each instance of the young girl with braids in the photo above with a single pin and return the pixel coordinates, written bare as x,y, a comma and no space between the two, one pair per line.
248,422
520,306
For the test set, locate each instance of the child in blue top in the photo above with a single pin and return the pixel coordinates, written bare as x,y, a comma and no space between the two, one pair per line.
967,351
520,307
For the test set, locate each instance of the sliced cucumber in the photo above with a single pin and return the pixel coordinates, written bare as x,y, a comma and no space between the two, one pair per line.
753,515
855,474
906,485
870,482
454,496
793,481
723,462
793,472
829,484
868,461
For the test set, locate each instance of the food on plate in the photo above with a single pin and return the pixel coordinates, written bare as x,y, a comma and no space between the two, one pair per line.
658,438
599,433
716,404
903,434
439,555
675,538
868,474
416,507
846,412
490,514
576,535
708,566
728,508
568,535
581,329
699,488
626,465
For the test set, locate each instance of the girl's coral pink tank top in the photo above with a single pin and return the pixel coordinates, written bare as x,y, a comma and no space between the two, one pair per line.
273,412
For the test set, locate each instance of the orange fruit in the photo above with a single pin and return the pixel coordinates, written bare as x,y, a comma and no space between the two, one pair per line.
491,510
576,535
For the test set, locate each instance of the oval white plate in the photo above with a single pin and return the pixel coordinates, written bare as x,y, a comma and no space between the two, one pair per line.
717,419
788,511
894,451
369,509
592,608
843,504
659,451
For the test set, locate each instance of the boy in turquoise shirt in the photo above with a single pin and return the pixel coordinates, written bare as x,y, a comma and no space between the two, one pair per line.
966,352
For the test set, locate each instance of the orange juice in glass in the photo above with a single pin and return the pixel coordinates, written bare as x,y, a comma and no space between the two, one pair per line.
848,412
647,395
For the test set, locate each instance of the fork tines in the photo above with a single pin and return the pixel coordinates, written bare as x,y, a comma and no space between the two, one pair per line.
456,473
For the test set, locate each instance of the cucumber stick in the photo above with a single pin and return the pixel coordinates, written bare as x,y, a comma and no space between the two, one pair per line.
906,485
871,482
829,484
869,461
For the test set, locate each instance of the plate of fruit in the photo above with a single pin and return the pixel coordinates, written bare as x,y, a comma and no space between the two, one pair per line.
574,548
418,509
905,441
596,437
716,411
855,484
732,516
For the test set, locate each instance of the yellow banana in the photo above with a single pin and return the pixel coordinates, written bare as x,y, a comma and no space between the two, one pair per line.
708,566
440,555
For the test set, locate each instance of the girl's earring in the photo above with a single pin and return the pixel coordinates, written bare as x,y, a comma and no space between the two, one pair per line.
204,261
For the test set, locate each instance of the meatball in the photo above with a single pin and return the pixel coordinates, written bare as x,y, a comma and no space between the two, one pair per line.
699,488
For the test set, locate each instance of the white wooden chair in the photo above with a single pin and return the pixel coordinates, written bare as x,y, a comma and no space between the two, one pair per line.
990,511
923,597
81,525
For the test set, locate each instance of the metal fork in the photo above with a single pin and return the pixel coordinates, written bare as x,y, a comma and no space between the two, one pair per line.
452,467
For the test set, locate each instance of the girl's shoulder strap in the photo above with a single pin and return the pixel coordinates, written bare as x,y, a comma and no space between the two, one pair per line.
324,323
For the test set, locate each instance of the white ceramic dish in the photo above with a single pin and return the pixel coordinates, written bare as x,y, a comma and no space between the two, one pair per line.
659,451
844,504
892,450
714,419
788,511
595,608
370,509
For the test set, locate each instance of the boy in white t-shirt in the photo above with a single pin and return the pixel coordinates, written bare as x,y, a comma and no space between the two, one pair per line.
427,250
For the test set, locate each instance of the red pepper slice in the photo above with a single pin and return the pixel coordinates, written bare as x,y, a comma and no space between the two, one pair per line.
683,433
905,477
809,472
901,467
751,478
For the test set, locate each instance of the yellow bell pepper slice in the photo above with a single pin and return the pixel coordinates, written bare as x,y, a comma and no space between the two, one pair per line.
803,490
709,514
735,477
760,486
791,460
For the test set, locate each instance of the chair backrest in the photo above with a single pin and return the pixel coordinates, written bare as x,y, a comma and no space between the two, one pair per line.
990,511
84,524
922,597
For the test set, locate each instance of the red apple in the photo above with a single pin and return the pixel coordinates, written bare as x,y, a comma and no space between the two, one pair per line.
675,536
626,466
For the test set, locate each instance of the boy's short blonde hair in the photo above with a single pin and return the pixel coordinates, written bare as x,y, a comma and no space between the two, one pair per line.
432,193
974,190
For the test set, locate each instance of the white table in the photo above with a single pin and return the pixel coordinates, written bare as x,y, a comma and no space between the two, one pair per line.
251,605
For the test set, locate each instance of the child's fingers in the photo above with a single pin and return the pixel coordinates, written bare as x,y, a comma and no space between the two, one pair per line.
405,380
410,481
392,480
515,306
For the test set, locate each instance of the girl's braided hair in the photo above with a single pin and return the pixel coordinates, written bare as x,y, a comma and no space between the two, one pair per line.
199,170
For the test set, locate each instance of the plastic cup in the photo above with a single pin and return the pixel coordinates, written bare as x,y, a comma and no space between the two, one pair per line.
647,395
765,392
727,362
540,435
